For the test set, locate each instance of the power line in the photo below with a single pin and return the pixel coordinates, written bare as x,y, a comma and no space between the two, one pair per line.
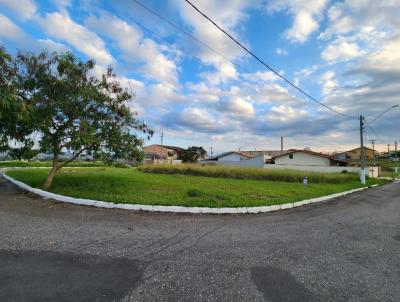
394,106
228,60
189,35
374,132
265,64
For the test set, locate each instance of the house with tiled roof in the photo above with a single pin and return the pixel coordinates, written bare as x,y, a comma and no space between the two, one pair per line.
158,153
306,158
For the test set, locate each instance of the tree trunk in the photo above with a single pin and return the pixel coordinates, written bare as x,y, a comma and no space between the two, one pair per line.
53,171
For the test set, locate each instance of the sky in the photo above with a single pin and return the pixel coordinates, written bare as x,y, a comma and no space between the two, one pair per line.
204,90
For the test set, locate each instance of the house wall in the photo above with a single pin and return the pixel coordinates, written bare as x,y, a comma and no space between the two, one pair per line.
356,154
161,152
303,159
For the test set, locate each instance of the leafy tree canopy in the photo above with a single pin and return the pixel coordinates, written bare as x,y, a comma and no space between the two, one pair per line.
193,154
53,103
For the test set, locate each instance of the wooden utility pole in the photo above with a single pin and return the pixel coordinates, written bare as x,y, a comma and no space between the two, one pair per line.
362,159
373,148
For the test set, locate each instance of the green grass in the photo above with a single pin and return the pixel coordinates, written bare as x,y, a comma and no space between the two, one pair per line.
27,164
133,186
250,173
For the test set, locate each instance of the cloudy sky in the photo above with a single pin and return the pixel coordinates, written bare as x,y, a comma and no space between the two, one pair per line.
207,91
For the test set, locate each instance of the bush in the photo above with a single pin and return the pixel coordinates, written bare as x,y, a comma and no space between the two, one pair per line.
250,173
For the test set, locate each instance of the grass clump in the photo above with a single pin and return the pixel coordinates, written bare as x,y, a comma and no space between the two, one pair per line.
133,186
250,173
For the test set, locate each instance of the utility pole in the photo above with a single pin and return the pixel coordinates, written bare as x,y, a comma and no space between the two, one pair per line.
388,149
211,152
362,159
281,143
395,151
373,148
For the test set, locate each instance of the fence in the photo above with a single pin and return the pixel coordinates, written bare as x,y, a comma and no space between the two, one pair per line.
369,171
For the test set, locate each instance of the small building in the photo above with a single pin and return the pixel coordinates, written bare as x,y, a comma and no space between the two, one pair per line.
306,158
229,156
238,159
160,153
355,154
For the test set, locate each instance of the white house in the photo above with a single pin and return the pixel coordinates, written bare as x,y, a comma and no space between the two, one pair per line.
234,158
306,158
229,157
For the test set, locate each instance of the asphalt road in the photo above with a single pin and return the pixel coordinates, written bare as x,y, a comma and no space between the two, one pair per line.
342,250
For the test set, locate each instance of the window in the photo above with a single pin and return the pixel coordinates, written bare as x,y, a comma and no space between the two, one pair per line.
291,156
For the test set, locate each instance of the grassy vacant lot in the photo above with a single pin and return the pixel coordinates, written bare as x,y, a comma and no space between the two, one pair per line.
251,173
133,186
23,164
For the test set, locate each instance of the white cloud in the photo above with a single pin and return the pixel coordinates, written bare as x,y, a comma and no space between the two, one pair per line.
14,35
61,26
305,72
352,16
272,93
281,52
241,108
373,77
63,4
285,114
329,84
225,71
26,9
10,31
136,48
341,51
306,15
199,119
262,76
303,26
385,60
228,14
50,45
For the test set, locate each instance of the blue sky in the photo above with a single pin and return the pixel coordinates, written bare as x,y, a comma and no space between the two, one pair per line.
344,53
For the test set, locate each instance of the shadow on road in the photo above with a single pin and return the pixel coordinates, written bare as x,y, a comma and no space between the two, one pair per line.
279,285
51,276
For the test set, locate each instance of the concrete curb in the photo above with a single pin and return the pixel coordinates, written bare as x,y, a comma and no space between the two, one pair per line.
175,209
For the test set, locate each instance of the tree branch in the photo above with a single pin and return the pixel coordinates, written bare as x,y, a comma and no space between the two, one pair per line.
71,159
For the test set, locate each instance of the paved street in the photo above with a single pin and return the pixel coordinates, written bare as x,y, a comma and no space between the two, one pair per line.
343,250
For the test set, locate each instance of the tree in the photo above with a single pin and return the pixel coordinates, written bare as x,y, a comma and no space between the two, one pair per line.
54,103
193,154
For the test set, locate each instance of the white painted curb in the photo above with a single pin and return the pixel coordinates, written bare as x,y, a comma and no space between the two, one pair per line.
175,209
